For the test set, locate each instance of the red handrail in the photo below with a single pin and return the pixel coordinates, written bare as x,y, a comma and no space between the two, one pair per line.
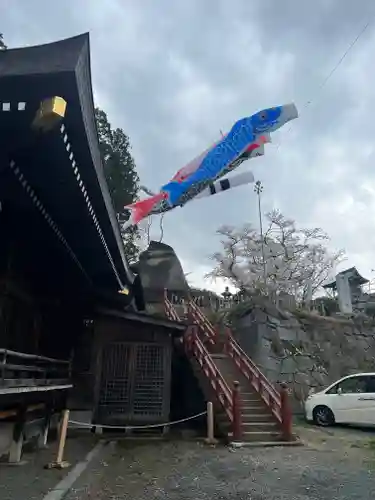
227,398
278,402
169,309
203,322
223,392
257,379
248,368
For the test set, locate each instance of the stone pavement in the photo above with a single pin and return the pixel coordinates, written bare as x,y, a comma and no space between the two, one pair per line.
31,481
192,471
334,464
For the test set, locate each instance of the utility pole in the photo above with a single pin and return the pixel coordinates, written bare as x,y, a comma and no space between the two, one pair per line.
258,189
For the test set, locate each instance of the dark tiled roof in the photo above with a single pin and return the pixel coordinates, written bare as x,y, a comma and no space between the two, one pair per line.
43,59
353,276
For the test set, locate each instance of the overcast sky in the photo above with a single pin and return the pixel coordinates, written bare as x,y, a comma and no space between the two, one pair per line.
174,73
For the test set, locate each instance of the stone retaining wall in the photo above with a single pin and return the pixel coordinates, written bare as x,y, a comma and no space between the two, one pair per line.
303,349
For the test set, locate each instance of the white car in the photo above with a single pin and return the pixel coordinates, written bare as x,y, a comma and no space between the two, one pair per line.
350,400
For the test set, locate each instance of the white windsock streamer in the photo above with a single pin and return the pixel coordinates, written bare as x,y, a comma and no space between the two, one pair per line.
227,183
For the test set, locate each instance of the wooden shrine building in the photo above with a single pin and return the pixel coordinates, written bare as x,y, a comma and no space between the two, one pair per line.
62,259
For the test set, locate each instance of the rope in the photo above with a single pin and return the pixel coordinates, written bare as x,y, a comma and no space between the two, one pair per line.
335,68
331,73
130,427
161,227
149,224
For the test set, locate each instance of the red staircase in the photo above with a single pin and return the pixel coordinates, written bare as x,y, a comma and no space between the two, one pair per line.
248,406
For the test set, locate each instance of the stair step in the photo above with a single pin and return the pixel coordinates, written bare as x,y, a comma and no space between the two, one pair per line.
259,426
255,411
260,436
255,408
257,417
269,444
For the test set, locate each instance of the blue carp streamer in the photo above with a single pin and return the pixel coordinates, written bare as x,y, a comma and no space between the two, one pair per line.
218,160
247,136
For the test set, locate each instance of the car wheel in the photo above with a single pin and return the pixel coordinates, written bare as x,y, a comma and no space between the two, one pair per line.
323,416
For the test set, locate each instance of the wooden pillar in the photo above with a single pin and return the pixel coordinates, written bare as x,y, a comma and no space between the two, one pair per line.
236,409
62,438
195,333
210,424
15,452
98,430
43,436
286,414
227,340
216,338
60,463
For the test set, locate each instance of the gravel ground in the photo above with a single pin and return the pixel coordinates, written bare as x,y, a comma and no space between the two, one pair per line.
328,467
31,481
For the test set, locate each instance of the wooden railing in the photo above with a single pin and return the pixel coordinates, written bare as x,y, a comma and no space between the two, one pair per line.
276,401
227,397
19,369
169,308
203,322
258,381
195,346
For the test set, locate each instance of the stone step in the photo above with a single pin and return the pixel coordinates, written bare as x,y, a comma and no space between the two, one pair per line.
267,444
253,408
255,411
250,397
257,417
250,424
260,436
260,426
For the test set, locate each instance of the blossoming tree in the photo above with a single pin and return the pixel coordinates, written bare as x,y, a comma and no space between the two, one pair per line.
287,259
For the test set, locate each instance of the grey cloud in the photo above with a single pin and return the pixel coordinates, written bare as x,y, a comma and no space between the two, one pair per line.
172,74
